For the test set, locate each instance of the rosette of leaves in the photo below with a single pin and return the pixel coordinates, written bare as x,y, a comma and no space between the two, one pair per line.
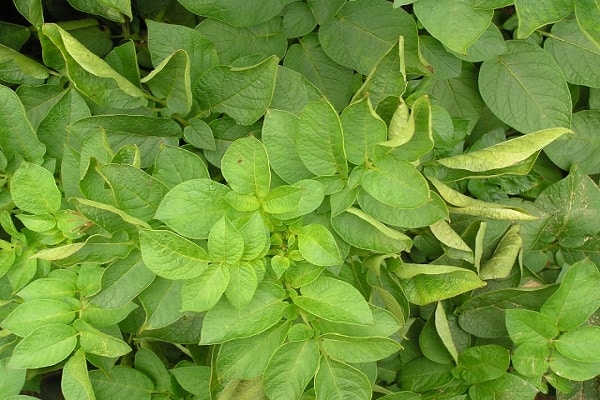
298,199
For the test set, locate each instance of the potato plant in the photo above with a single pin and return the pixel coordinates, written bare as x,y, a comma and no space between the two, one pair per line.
299,199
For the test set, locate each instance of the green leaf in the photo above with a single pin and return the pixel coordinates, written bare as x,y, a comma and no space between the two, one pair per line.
425,215
445,65
224,322
507,387
421,141
149,362
350,349
396,183
111,9
175,165
586,12
312,193
92,75
445,330
580,148
500,265
203,198
574,52
339,381
122,281
282,199
244,93
245,166
225,242
525,88
45,346
75,381
47,288
234,13
242,284
102,317
504,154
483,363
97,342
290,369
363,129
203,292
279,129
20,69
121,383
193,378
247,358
571,369
162,303
320,140
164,39
171,82
34,190
384,324
365,232
429,283
489,45
448,237
580,344
318,246
13,119
334,300
332,79
577,297
31,10
12,380
531,359
172,257
298,20
34,314
439,16
293,91
135,192
526,326
572,206
361,33
535,14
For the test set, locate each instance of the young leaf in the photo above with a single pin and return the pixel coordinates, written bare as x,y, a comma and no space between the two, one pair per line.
243,93
290,369
203,198
320,140
225,242
242,284
334,300
525,88
45,346
33,189
350,349
505,154
475,21
318,246
224,322
75,382
577,297
339,381
203,292
172,257
245,166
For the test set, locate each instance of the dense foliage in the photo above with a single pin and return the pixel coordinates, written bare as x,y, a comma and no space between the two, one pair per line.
283,199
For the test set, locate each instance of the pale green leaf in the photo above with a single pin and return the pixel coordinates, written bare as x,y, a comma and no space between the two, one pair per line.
45,346
75,381
245,166
203,292
242,284
97,342
318,246
338,381
350,349
33,314
34,190
225,242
